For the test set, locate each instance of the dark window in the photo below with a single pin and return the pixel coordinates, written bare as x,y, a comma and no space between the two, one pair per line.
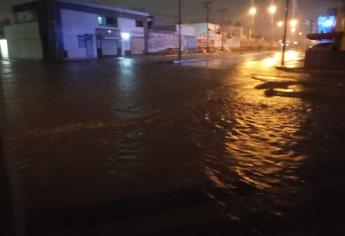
107,21
81,41
139,23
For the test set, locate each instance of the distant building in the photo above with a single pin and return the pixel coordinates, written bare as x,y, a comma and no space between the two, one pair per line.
167,37
71,29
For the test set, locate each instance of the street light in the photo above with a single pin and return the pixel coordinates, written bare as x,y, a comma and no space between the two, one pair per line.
280,24
272,9
293,23
252,11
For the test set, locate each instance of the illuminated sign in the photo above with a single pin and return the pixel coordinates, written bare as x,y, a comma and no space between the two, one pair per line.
326,24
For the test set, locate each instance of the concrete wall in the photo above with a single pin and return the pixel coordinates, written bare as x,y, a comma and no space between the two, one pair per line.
160,41
24,41
201,28
76,23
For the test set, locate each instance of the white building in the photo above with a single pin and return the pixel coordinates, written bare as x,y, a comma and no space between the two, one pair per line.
70,29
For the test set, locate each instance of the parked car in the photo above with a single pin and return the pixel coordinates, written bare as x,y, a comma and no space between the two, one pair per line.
325,46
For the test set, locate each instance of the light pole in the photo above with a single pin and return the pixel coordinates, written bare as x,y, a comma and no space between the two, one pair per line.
272,10
285,30
207,7
179,30
252,13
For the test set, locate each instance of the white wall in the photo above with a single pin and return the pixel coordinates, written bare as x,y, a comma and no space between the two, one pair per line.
162,41
201,28
76,23
186,30
24,41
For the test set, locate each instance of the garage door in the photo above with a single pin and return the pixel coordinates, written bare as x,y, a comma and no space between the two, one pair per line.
110,47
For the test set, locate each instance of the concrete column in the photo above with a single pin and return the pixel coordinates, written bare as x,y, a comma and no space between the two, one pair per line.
146,35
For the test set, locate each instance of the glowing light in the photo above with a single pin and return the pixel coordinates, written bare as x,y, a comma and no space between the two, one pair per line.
300,33
252,11
272,9
295,42
125,36
293,23
280,23
293,30
4,48
326,24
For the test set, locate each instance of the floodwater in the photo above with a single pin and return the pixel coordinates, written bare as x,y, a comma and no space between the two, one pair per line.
228,146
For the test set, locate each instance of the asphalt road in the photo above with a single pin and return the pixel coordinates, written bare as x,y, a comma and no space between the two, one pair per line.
222,146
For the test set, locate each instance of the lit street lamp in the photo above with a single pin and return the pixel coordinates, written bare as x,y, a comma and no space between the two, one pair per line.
280,24
293,23
272,9
287,5
252,11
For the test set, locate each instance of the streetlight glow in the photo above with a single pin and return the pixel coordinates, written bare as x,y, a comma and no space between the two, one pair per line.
252,11
272,9
293,23
280,23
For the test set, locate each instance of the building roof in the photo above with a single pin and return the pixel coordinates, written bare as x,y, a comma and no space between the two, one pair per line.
106,7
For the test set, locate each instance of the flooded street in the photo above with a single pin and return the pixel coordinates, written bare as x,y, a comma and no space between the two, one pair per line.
227,146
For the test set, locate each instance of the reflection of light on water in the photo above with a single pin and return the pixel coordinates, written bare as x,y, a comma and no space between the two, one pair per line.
260,141
126,62
274,60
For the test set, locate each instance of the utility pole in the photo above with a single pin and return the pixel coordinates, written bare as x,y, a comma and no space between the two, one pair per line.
179,30
223,13
207,7
285,30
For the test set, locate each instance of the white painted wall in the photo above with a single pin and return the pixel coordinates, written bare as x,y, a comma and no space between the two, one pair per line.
186,30
76,23
201,28
24,41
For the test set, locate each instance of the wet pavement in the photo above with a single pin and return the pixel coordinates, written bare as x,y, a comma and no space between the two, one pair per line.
227,146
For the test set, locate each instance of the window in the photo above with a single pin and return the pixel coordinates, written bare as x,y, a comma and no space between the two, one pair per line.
81,41
139,23
107,21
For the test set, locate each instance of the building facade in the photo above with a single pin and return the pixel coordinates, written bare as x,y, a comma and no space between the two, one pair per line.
70,29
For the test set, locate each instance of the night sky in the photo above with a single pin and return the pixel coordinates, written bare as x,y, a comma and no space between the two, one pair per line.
165,10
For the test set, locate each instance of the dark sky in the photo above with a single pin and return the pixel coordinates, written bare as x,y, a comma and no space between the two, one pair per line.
165,10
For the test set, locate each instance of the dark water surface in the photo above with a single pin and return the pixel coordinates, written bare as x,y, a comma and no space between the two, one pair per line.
136,147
